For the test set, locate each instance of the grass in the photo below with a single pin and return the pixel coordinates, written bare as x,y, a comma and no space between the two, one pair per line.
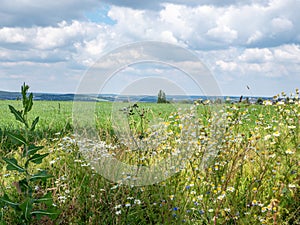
253,179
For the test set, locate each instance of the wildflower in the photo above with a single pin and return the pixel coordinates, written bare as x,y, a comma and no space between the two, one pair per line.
137,201
118,212
254,202
276,134
292,185
267,102
127,204
254,189
267,137
289,152
118,207
227,210
62,198
231,189
200,197
201,212
264,209
280,103
221,197
114,187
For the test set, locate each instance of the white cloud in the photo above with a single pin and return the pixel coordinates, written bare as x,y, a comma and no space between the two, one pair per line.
223,34
281,24
256,36
235,38
288,54
226,66
29,13
256,55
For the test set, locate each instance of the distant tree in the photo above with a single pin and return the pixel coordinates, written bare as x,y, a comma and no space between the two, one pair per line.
259,101
161,98
247,101
218,101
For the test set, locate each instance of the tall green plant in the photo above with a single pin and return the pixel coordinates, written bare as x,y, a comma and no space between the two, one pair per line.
29,204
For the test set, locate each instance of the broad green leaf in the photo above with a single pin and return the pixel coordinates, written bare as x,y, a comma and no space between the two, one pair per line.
29,103
51,213
37,158
43,175
7,201
18,138
25,187
34,123
17,114
12,164
26,207
47,199
24,90
2,222
32,149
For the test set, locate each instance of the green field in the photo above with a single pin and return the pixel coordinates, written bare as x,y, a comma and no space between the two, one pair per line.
253,178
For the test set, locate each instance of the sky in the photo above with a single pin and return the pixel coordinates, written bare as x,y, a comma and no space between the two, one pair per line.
250,47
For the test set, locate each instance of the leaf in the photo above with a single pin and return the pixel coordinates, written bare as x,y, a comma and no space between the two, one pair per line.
34,123
12,164
5,199
24,90
2,222
29,103
26,207
47,199
24,186
43,175
18,138
52,213
32,149
37,158
17,114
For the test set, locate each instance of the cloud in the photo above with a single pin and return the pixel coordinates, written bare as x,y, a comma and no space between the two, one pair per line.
256,55
226,66
223,33
29,13
212,26
281,61
158,4
236,39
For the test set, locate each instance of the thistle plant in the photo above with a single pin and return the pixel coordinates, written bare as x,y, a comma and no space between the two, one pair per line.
28,203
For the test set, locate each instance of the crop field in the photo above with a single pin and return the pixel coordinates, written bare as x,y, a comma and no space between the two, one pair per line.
235,163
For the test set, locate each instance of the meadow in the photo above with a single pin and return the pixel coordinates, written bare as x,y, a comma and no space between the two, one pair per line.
252,177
